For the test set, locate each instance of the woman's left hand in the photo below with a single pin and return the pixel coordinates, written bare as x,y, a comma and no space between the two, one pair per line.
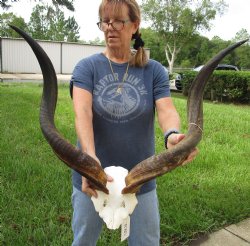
175,139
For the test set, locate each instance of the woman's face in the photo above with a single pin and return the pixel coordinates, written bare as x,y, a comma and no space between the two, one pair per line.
118,39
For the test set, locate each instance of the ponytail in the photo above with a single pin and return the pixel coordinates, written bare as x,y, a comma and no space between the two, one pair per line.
139,58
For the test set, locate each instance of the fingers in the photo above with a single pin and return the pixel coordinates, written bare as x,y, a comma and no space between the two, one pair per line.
90,192
179,137
109,178
175,139
87,189
191,156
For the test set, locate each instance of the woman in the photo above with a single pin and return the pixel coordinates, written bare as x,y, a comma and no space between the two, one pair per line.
114,95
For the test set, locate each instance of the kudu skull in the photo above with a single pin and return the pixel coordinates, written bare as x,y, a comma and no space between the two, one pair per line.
146,170
115,207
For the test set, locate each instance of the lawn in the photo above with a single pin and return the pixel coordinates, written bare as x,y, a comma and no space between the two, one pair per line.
209,193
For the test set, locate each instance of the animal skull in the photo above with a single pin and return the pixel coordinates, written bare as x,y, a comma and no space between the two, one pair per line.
115,207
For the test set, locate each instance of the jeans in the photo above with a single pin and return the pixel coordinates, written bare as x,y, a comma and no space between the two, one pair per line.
144,226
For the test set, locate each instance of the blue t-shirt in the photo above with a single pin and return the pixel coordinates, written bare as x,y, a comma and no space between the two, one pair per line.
123,122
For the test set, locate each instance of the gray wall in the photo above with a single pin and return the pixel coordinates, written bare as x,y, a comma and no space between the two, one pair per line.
17,57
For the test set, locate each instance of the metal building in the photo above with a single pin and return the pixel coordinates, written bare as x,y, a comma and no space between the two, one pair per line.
16,55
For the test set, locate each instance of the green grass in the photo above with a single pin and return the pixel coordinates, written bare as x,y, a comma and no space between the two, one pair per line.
211,192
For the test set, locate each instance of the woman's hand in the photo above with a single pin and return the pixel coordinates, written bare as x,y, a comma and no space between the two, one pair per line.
88,187
176,138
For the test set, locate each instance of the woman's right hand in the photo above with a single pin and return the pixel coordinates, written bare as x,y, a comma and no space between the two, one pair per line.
88,188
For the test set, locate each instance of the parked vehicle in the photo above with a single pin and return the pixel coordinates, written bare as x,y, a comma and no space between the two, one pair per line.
175,81
220,67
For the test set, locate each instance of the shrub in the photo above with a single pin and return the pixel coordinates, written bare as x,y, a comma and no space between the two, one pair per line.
224,86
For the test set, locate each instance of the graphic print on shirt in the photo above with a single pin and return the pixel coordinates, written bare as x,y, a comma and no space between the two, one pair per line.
119,107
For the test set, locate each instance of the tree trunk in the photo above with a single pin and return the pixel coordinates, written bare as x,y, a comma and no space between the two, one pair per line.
170,60
170,55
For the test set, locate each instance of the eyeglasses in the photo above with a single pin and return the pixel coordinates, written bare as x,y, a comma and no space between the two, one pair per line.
117,25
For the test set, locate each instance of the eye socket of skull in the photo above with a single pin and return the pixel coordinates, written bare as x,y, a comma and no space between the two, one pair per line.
105,203
123,204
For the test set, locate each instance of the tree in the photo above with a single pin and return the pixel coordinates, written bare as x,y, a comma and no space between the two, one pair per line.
66,3
4,4
48,23
155,43
194,53
243,53
241,35
197,52
10,18
96,41
177,21
71,30
39,22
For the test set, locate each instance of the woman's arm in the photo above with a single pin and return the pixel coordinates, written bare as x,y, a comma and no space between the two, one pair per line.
169,119
82,101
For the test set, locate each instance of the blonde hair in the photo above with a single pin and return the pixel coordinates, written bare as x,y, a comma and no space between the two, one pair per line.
139,57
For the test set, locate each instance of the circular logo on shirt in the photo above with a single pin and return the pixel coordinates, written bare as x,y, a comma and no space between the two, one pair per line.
119,102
